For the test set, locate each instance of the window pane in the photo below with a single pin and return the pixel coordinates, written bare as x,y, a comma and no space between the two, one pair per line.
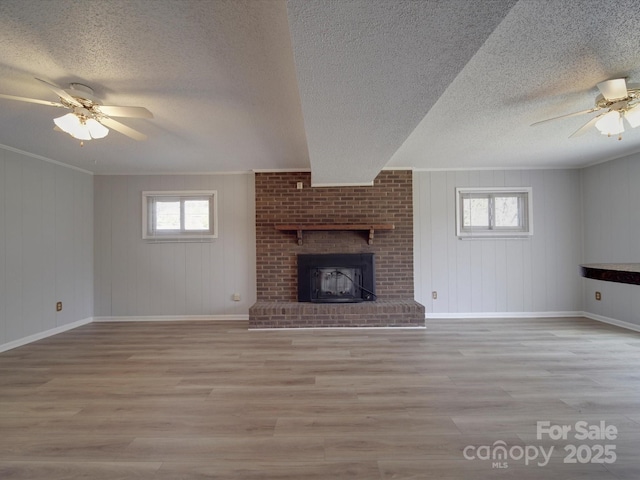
507,213
475,212
196,215
167,215
500,212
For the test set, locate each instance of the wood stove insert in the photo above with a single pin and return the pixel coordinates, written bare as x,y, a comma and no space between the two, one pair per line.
336,278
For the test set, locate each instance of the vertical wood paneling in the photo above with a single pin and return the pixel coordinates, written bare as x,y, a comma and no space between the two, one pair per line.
488,258
149,279
249,242
64,245
221,295
633,210
48,226
602,208
32,246
241,232
527,257
513,259
573,290
193,304
130,218
102,250
539,241
501,256
452,260
3,264
46,246
482,276
488,276
553,224
120,262
619,211
422,239
611,226
463,257
439,243
13,248
86,274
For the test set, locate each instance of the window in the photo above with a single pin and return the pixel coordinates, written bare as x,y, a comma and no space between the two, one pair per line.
494,212
190,215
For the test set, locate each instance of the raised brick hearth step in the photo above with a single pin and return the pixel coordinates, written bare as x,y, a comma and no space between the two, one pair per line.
381,313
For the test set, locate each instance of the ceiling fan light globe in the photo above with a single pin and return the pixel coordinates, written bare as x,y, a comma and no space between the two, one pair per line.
96,129
633,117
71,124
67,123
615,89
610,123
81,134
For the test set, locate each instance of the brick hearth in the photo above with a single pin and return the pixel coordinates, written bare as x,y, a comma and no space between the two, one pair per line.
388,201
381,313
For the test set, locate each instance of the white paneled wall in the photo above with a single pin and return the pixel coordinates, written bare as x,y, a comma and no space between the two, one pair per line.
135,278
611,211
46,246
534,275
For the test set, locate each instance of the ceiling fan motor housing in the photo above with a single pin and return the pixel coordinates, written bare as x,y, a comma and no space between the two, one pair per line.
82,93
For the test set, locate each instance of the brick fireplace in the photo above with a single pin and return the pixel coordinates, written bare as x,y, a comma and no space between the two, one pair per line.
280,202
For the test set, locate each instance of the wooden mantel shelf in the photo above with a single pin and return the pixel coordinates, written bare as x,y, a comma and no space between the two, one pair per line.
336,227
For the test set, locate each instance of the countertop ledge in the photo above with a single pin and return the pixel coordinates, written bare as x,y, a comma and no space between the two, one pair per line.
612,272
619,267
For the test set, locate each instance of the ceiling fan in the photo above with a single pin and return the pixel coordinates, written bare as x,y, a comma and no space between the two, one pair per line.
88,118
618,101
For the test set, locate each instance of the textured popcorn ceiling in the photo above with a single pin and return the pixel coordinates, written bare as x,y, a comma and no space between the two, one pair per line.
543,60
218,77
344,87
369,71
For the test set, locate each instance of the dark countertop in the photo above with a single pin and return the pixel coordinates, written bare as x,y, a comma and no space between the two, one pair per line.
612,272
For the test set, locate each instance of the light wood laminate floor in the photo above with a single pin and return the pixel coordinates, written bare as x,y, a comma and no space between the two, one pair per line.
200,400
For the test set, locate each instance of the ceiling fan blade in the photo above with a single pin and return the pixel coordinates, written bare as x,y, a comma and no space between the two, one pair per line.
131,112
32,100
122,128
615,89
568,115
61,93
583,129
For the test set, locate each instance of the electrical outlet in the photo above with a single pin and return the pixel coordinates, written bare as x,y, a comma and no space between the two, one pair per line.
299,185
598,296
434,295
59,307
236,297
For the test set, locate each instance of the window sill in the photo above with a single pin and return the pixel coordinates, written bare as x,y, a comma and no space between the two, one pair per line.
174,239
524,236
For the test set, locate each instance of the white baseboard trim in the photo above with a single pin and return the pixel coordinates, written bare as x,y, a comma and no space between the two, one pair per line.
471,315
564,314
612,321
47,333
175,318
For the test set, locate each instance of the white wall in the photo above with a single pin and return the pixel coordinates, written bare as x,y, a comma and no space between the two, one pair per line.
611,211
535,275
46,246
135,278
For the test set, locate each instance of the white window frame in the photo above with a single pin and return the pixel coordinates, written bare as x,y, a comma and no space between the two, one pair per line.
526,213
149,231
